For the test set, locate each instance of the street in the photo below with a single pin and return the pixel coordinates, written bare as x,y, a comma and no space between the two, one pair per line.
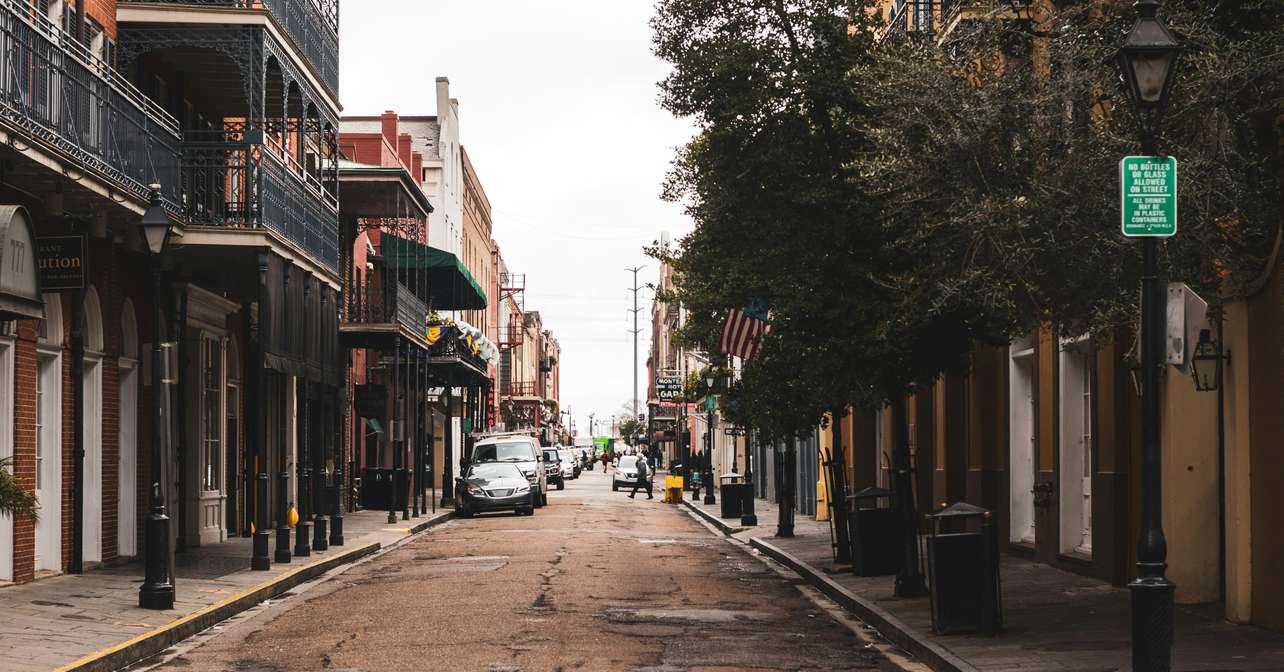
594,581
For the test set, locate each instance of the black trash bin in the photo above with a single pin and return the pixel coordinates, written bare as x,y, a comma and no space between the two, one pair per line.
963,570
876,533
377,488
729,487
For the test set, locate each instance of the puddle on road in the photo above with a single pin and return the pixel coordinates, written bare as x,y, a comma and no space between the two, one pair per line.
677,614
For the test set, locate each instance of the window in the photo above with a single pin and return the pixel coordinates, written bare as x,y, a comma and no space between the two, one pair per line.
40,427
212,417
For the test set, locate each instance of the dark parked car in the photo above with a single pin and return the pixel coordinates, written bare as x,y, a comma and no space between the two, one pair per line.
493,486
553,468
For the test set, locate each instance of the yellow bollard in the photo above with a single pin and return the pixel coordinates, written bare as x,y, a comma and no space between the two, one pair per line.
672,489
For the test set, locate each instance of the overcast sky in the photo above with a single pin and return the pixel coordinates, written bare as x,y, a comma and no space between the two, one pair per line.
557,106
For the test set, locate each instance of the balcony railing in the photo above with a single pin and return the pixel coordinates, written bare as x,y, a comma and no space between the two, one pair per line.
229,179
518,389
917,19
313,26
61,94
371,302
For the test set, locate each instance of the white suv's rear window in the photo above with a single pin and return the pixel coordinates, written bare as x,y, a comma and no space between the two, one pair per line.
503,451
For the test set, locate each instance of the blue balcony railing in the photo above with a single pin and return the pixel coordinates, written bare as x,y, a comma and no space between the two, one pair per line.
59,94
313,26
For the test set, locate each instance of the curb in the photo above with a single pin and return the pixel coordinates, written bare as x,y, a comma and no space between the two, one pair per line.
892,628
155,641
726,528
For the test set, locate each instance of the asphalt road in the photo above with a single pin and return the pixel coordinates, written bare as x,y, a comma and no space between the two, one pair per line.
594,581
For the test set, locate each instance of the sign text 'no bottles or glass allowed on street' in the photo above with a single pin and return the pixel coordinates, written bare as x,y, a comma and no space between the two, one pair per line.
1148,190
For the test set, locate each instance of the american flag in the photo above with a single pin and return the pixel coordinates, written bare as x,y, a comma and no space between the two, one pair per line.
743,331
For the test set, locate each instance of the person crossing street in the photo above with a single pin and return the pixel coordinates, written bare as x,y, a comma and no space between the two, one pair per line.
644,476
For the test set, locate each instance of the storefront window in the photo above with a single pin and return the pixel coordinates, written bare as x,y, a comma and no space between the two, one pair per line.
212,421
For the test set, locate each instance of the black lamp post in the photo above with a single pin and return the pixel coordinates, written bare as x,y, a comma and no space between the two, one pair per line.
1148,60
157,591
709,497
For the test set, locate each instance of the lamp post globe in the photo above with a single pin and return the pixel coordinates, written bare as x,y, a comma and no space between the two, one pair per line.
157,591
1147,60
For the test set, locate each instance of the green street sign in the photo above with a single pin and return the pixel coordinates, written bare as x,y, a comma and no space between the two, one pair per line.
708,403
1148,191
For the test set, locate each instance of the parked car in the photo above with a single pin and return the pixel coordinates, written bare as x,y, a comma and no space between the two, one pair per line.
553,468
626,472
568,458
493,486
519,450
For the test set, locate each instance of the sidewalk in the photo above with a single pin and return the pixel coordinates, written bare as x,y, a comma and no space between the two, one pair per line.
1053,620
92,621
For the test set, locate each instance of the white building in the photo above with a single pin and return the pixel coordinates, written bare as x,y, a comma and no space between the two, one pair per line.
441,175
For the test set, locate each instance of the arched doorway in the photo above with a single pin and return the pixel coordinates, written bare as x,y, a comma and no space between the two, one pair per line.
49,437
127,463
92,407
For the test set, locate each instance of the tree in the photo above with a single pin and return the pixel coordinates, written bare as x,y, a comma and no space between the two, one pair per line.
14,499
631,429
1000,191
779,215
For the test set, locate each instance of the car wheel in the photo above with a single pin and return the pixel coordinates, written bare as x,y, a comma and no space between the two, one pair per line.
543,500
614,486
539,500
561,485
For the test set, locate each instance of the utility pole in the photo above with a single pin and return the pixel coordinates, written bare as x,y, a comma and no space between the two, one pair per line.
635,332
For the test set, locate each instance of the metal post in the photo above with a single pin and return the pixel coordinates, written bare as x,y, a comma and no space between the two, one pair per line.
909,580
709,497
303,466
257,380
394,419
157,591
447,485
747,516
1152,592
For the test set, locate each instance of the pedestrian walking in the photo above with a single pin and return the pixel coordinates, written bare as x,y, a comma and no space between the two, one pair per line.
605,460
644,476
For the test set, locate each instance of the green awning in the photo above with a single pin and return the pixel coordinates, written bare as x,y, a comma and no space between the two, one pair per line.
374,425
450,285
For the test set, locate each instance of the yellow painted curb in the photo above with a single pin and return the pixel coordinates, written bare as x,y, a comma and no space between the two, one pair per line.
188,625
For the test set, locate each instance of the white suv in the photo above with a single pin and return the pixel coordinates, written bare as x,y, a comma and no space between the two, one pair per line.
517,449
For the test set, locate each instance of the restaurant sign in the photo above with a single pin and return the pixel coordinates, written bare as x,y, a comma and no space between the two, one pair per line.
62,261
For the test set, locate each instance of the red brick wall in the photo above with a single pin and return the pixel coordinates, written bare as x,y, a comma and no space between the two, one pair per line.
24,435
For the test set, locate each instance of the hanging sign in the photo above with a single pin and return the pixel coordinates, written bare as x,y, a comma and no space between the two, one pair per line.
1148,189
668,388
62,262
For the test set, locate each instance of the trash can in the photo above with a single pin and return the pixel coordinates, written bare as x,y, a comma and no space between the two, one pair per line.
729,487
963,570
378,488
876,533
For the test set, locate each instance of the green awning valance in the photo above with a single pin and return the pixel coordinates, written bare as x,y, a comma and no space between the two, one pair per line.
450,285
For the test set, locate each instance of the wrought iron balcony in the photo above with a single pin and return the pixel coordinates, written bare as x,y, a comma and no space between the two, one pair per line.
374,302
59,94
244,178
313,26
934,19
518,389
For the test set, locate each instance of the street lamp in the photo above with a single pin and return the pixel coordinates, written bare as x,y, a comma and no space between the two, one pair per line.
1148,62
709,498
1206,363
157,591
